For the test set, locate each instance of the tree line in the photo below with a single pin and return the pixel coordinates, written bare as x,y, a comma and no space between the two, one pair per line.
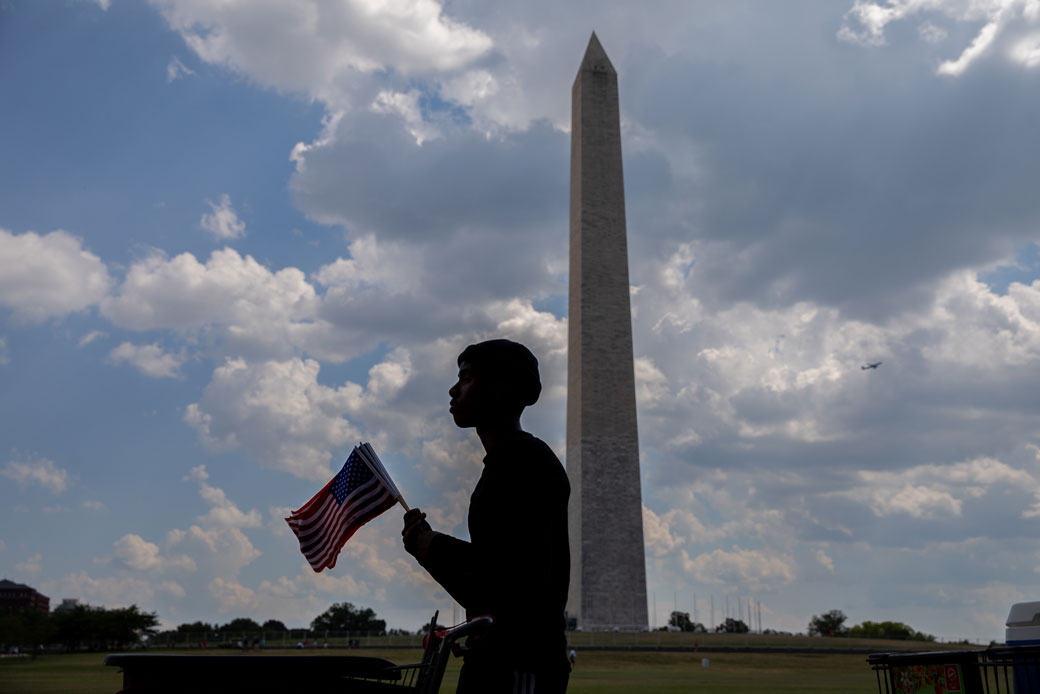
340,618
85,627
79,628
830,623
680,621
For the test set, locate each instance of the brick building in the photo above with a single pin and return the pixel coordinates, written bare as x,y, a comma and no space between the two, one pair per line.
18,597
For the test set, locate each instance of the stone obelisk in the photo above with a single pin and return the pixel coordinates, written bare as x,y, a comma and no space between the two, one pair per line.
608,569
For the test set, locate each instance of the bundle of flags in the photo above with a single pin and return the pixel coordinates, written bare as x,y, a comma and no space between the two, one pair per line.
357,494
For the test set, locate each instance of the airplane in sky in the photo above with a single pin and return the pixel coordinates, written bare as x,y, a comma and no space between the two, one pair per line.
870,366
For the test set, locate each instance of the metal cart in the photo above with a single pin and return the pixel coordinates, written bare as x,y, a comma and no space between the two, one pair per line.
1002,670
284,674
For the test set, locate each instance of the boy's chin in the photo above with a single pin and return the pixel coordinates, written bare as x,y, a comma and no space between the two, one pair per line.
460,421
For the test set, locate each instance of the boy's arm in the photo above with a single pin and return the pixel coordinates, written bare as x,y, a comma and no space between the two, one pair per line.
450,561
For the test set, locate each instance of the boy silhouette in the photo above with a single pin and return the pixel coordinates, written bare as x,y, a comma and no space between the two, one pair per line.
516,565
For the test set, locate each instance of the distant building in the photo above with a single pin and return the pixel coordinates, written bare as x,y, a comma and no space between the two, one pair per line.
67,605
16,598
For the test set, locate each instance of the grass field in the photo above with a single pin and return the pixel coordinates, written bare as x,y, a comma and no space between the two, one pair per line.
596,671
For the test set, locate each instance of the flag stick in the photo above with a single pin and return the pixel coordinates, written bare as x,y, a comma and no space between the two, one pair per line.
376,466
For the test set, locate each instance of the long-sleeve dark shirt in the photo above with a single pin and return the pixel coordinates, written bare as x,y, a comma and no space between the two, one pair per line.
516,566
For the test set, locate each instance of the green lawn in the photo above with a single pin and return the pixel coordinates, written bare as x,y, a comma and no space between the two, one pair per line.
596,671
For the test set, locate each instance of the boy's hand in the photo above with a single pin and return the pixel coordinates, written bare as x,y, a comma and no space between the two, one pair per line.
417,534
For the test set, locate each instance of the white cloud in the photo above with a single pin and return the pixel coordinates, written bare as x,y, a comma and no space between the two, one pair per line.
279,412
387,266
134,552
916,501
222,221
1026,51
938,491
41,471
113,591
91,337
232,596
866,21
93,505
316,46
175,69
406,105
150,360
32,565
752,569
252,309
824,560
931,33
226,550
4,356
223,512
48,276
658,535
284,418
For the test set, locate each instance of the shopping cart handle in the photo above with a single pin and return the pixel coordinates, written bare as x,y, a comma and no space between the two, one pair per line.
473,626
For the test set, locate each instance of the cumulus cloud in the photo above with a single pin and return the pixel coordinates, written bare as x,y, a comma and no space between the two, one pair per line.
40,471
32,565
113,591
222,221
752,568
49,276
231,297
279,412
406,105
134,552
315,47
223,512
231,596
285,418
150,360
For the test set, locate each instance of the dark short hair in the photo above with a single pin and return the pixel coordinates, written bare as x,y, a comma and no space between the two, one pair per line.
509,364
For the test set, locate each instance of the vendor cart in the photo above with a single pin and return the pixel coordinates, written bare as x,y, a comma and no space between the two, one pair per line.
285,674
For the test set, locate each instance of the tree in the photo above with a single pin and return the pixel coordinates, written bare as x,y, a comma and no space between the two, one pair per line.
241,625
98,628
343,616
828,624
274,625
888,630
733,626
682,621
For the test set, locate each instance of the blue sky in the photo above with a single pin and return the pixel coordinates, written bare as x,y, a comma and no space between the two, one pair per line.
237,238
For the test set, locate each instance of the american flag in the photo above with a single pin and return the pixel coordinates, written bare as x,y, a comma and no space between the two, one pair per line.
353,497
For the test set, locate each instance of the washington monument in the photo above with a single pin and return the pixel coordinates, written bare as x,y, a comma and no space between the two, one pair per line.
608,569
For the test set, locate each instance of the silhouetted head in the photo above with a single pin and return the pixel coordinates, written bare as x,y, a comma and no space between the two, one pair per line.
497,380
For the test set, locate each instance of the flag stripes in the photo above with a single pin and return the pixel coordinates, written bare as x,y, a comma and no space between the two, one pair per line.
356,495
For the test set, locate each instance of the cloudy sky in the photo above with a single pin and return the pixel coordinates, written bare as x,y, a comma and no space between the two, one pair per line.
237,237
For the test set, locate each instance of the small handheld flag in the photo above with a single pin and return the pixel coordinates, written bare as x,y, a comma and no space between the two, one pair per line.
359,492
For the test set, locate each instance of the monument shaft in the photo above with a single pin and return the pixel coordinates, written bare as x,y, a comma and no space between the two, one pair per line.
608,568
